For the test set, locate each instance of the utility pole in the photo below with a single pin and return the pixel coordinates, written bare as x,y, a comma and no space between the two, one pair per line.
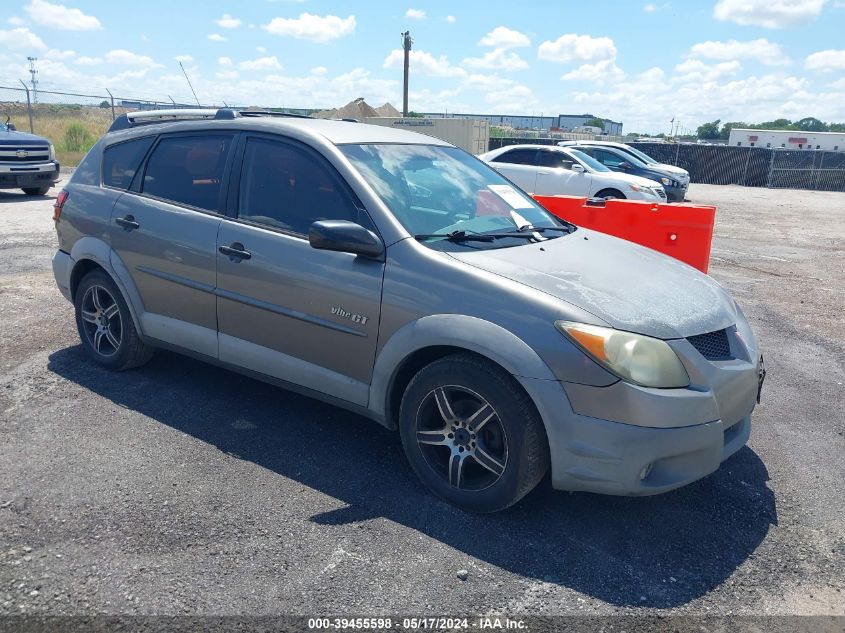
406,45
33,71
189,83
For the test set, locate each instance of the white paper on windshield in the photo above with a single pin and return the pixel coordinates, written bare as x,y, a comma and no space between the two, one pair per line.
511,196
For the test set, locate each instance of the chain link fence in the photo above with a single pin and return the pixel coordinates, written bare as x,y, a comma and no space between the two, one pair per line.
731,165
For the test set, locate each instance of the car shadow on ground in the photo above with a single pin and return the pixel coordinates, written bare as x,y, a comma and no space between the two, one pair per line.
12,195
660,551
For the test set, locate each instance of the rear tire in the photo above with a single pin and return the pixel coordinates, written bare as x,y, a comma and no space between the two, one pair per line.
105,324
36,191
471,434
610,194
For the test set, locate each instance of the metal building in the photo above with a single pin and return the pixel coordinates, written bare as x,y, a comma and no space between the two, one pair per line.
788,139
562,122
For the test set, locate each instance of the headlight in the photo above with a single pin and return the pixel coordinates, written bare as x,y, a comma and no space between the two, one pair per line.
668,182
643,360
52,152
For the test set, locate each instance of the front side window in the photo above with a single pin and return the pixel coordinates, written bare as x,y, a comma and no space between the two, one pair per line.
188,170
554,160
121,161
288,188
440,190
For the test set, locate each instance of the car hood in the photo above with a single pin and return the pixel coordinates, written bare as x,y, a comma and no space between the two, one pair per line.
672,170
630,178
21,138
627,286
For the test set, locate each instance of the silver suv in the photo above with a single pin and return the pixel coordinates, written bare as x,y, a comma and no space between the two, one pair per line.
399,277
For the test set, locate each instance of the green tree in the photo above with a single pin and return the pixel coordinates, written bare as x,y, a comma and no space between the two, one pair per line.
595,122
810,124
836,127
105,104
709,131
777,124
727,127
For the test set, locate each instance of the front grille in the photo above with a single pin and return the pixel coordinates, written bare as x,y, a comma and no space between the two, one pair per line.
34,153
713,345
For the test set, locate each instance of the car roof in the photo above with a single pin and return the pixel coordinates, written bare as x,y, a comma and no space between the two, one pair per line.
336,132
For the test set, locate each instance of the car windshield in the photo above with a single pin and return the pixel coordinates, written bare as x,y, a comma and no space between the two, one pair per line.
588,160
441,190
641,155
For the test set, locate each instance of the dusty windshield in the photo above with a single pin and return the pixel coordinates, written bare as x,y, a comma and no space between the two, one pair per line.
436,190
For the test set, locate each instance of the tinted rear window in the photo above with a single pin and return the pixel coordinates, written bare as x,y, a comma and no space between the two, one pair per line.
121,161
188,170
517,157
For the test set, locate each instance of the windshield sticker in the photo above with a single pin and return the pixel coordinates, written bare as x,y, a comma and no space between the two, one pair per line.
511,196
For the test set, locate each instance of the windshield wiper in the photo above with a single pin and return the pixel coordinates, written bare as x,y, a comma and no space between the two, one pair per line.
540,229
463,236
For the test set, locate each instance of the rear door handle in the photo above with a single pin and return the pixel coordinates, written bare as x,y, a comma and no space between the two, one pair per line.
543,173
235,251
128,223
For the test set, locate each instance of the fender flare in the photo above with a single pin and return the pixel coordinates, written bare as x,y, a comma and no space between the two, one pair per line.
454,330
96,250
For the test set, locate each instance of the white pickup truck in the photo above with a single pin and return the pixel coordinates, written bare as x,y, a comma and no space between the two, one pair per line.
27,161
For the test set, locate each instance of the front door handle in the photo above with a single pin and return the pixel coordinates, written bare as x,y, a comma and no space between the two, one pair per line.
235,251
128,223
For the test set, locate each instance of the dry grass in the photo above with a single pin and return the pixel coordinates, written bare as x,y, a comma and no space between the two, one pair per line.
54,122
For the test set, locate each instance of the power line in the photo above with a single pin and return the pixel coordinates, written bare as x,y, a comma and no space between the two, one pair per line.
189,83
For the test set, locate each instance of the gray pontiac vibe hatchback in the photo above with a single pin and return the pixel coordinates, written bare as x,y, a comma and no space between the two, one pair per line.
397,276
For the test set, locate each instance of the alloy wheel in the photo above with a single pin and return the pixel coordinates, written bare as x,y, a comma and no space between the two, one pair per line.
462,438
101,320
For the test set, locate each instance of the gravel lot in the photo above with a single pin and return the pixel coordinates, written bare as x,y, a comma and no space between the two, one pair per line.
181,488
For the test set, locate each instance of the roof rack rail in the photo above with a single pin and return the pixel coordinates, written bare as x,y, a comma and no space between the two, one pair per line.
272,113
146,117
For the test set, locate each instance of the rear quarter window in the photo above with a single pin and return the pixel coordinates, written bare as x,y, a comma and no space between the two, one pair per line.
121,161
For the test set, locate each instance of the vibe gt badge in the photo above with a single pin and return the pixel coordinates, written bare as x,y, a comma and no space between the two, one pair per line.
355,318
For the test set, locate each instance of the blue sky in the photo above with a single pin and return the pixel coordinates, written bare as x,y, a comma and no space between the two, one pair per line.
639,62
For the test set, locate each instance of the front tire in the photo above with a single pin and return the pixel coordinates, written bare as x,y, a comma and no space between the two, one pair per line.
471,434
611,194
105,324
36,191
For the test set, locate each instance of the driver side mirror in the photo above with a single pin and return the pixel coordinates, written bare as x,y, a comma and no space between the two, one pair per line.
624,165
578,169
345,237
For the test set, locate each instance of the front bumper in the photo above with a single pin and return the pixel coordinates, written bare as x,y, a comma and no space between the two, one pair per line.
676,194
18,176
627,440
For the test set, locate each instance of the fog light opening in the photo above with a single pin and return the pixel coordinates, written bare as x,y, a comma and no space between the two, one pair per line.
646,471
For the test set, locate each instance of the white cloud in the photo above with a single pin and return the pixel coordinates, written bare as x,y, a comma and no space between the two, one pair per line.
772,14
826,60
516,98
450,19
15,21
262,63
312,27
415,14
260,49
228,22
503,37
696,71
224,61
319,70
605,70
22,39
55,53
654,8
216,37
424,63
497,59
58,16
227,74
185,59
762,50
89,61
573,47
127,58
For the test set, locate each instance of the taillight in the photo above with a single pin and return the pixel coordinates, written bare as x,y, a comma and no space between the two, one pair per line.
60,202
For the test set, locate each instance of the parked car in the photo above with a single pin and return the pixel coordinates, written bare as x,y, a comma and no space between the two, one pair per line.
614,155
549,170
394,275
27,161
